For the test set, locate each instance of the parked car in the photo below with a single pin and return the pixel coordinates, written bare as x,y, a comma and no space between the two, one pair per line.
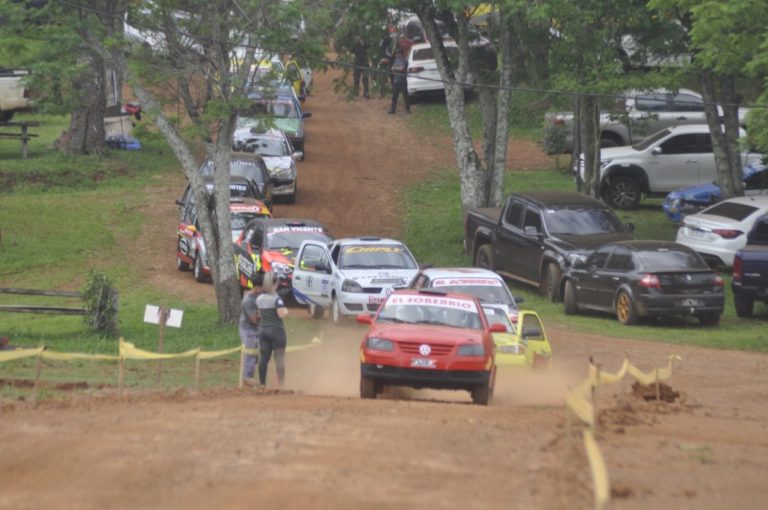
278,154
280,109
484,284
634,279
271,245
750,270
637,115
14,96
524,344
535,237
667,160
350,275
190,246
251,167
719,231
428,339
692,199
423,73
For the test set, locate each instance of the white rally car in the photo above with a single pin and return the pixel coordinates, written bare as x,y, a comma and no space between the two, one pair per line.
350,276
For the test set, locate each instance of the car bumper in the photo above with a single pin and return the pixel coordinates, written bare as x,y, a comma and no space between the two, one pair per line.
750,291
696,304
288,189
425,378
352,303
511,360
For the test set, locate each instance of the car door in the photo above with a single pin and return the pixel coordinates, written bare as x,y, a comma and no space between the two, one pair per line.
526,261
612,276
312,274
674,163
248,253
508,236
538,351
588,282
188,231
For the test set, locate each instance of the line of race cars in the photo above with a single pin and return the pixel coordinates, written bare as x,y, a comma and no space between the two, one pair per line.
443,328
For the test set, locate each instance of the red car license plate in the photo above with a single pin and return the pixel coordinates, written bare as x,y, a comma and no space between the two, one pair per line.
422,363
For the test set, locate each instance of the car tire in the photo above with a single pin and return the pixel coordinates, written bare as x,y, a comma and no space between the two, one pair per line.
481,395
550,283
570,306
181,265
335,311
367,387
626,312
484,257
623,193
709,319
315,311
198,270
743,305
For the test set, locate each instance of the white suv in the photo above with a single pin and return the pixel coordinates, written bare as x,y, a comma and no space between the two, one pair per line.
669,159
351,275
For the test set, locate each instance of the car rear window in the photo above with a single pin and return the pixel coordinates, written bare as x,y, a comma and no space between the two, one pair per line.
670,259
426,53
731,210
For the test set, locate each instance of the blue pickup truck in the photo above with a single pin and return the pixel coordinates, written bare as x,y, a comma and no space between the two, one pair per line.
750,270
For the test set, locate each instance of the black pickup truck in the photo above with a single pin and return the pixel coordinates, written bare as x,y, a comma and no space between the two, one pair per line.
750,270
534,237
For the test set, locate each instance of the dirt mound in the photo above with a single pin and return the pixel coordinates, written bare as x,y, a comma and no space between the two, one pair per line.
664,394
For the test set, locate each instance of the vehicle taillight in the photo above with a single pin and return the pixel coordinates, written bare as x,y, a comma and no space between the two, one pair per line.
719,281
727,233
650,281
416,69
737,267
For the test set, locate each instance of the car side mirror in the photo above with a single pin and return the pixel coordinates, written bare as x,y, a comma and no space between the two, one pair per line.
656,151
298,156
323,268
518,299
364,318
531,231
304,115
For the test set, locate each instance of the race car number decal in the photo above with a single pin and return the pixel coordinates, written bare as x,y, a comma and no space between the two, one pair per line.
375,300
485,282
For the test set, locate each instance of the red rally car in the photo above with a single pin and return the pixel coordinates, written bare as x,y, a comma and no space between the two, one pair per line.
428,339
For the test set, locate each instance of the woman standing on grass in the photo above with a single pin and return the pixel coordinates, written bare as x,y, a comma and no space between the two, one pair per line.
272,337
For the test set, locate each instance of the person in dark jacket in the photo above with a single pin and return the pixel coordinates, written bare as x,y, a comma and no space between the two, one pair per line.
273,338
362,63
400,80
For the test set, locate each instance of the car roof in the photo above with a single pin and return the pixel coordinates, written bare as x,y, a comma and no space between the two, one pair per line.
463,272
560,198
647,245
277,222
435,292
367,240
422,45
756,200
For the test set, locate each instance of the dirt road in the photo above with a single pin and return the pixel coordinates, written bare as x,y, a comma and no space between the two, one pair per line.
317,445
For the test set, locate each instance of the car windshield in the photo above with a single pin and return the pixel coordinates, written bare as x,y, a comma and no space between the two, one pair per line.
382,256
248,169
291,237
440,315
268,146
241,219
486,290
278,107
730,210
498,316
650,140
665,259
582,221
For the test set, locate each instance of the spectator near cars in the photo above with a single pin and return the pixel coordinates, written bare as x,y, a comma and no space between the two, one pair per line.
270,245
634,279
668,159
429,339
190,247
692,199
719,231
485,285
750,270
535,237
279,157
350,275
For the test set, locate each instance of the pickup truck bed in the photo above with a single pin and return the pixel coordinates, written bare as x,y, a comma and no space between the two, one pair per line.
750,270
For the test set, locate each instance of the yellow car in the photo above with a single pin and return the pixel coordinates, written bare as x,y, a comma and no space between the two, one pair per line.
524,344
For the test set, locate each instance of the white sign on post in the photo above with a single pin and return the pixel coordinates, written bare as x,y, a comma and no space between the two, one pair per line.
152,316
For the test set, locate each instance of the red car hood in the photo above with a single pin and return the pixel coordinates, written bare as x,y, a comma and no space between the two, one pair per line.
443,335
284,256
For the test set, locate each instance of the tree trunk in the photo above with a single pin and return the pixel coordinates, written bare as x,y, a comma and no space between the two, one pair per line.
86,124
589,136
725,131
501,125
472,174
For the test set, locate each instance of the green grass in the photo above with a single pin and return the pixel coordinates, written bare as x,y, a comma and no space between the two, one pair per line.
434,231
